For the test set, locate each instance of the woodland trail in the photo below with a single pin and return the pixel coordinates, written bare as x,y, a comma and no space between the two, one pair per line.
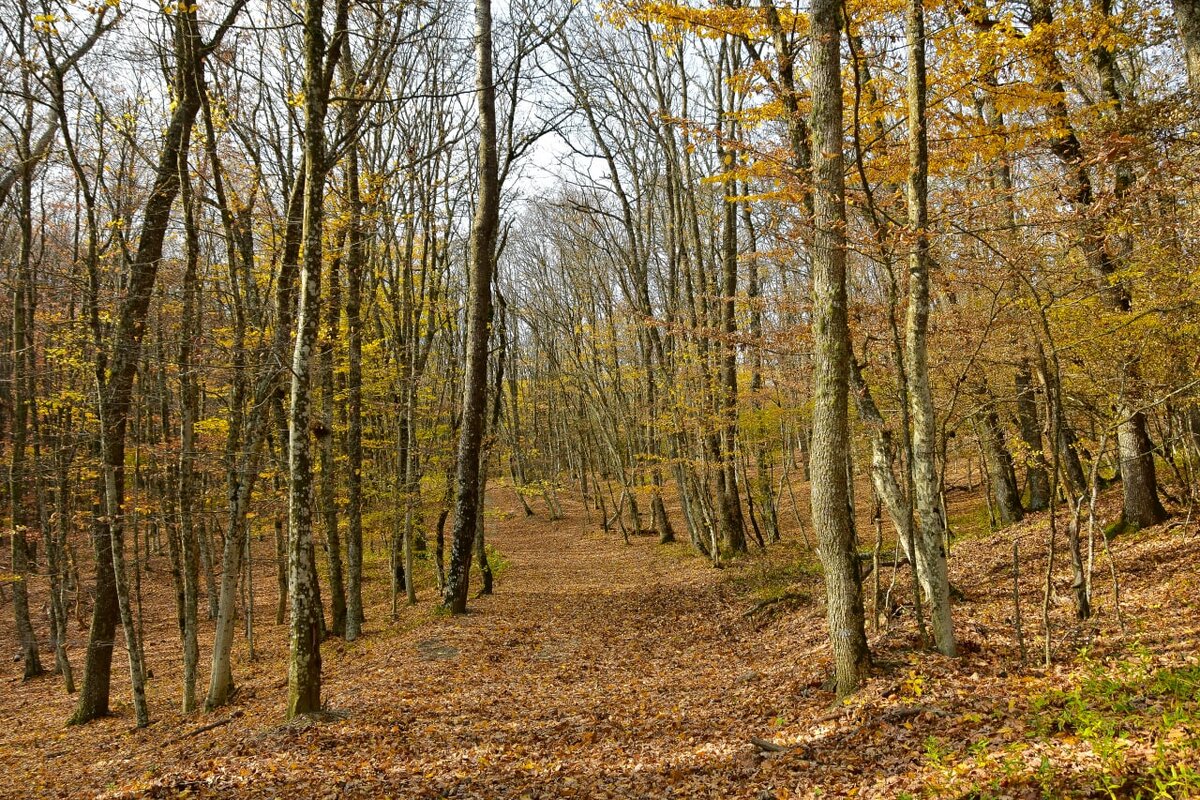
598,669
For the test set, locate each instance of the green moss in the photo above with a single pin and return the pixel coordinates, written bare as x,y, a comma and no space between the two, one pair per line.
1119,527
969,520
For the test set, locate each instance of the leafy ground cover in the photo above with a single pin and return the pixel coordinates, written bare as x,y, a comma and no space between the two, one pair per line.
601,669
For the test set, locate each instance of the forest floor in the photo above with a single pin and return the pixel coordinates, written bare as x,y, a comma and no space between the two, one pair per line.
600,669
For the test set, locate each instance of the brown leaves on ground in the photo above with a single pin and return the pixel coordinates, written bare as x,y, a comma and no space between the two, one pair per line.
606,670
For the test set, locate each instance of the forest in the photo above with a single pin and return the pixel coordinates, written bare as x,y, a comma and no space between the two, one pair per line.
600,398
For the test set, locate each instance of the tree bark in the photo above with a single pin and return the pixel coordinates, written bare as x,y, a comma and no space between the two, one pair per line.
1187,18
116,388
999,464
929,525
22,362
326,441
1037,482
831,358
484,231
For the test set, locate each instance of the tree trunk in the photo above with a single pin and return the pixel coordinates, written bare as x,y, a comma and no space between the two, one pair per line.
115,390
354,429
1142,506
326,441
1001,474
1187,18
929,525
304,640
189,408
733,527
484,230
831,357
1037,482
22,361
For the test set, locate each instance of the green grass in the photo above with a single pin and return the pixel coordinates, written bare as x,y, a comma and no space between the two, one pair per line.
1126,727
777,573
969,519
1142,721
497,561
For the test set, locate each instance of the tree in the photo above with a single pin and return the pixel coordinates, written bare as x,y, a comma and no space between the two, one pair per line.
306,626
831,359
484,230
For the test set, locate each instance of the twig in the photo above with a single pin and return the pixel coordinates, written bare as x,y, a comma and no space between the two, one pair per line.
768,746
205,728
783,598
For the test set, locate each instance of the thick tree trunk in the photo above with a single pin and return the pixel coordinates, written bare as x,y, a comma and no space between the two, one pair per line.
831,358
94,687
1142,506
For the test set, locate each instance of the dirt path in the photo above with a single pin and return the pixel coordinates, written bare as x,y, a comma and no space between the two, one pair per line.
598,669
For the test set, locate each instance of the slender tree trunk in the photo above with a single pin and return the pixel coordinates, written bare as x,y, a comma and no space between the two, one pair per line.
249,431
1142,506
354,380
1037,482
733,527
326,441
22,343
484,230
930,527
189,406
304,640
